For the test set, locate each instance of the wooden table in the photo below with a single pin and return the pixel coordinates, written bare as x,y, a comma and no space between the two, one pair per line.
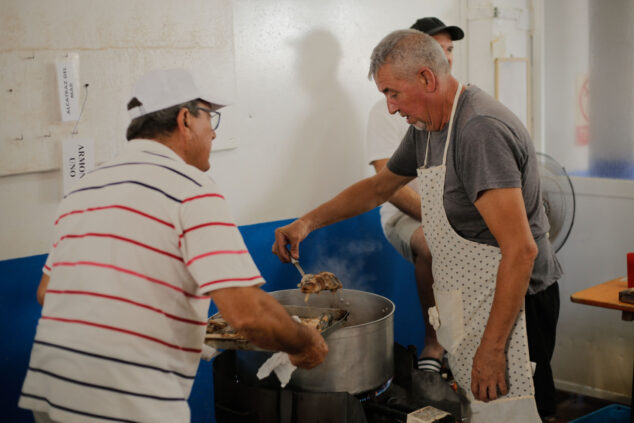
606,295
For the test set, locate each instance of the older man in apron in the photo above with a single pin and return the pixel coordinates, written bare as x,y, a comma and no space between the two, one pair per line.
484,221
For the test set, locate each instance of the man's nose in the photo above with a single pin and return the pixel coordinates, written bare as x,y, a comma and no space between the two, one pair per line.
391,107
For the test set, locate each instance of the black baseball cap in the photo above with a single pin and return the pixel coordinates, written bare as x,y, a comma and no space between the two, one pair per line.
431,25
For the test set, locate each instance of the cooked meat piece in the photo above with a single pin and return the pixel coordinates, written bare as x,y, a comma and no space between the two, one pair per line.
217,324
325,320
228,335
322,281
312,322
320,323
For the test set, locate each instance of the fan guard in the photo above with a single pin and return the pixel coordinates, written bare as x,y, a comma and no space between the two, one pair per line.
558,197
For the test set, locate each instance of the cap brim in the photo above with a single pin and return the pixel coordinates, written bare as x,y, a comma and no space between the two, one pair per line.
215,102
454,32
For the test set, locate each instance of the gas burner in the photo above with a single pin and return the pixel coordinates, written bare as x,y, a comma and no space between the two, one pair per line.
238,400
367,396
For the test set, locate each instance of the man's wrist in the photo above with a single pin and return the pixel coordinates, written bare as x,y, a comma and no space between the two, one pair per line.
492,345
307,224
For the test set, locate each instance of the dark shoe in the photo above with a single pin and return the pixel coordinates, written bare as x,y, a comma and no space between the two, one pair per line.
429,388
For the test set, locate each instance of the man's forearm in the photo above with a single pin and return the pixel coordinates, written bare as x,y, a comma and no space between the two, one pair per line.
512,282
354,200
261,319
504,212
408,201
505,215
276,331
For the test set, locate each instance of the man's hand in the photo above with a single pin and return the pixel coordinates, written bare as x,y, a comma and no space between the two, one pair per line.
488,375
314,354
292,234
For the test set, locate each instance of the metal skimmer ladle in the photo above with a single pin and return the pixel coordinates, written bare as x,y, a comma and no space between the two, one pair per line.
295,262
299,269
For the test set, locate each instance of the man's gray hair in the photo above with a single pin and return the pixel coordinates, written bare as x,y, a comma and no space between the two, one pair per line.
159,123
407,50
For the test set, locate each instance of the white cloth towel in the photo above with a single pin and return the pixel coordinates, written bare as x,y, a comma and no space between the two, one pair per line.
281,365
208,352
434,318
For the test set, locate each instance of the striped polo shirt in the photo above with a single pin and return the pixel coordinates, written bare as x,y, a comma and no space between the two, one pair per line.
137,246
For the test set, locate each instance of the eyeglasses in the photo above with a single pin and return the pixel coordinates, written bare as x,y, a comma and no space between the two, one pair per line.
214,117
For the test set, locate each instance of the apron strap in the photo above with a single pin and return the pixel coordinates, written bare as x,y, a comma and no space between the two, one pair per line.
427,150
453,112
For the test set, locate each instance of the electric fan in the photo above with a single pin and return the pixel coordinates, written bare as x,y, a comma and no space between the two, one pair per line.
558,196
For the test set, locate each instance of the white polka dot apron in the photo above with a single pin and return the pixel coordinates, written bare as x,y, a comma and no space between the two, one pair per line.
464,283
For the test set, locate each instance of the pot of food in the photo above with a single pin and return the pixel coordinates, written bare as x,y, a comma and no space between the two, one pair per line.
360,352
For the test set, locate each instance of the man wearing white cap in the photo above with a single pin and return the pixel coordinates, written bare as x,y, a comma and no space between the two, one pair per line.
140,247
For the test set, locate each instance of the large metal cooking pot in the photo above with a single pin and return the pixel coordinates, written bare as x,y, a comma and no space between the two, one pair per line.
360,353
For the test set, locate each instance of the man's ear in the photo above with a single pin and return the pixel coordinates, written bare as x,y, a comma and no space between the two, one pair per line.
428,78
182,119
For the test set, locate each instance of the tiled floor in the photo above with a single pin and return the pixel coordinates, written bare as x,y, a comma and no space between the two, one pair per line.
572,406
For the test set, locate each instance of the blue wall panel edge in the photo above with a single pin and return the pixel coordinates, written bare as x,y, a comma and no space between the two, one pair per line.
19,312
355,250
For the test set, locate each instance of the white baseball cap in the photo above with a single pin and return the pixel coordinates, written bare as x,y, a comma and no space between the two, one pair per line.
163,88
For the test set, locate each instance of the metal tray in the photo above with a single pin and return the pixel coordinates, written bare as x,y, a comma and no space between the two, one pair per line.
338,317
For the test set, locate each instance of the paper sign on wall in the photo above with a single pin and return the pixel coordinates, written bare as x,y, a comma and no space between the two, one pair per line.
68,87
78,159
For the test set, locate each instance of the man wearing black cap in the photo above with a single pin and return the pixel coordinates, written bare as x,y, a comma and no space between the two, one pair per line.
400,218
445,35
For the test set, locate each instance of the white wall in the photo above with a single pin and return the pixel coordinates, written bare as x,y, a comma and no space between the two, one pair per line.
116,42
498,29
113,49
304,96
595,348
301,102
567,63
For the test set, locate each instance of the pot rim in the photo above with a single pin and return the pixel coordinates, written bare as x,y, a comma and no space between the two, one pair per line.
344,290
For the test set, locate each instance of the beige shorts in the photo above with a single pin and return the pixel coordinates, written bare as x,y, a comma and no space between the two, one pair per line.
399,230
42,417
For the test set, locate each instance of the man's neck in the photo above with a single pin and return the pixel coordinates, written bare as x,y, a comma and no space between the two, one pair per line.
448,96
172,142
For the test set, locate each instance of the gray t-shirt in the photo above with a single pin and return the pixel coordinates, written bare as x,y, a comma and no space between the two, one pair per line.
490,148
